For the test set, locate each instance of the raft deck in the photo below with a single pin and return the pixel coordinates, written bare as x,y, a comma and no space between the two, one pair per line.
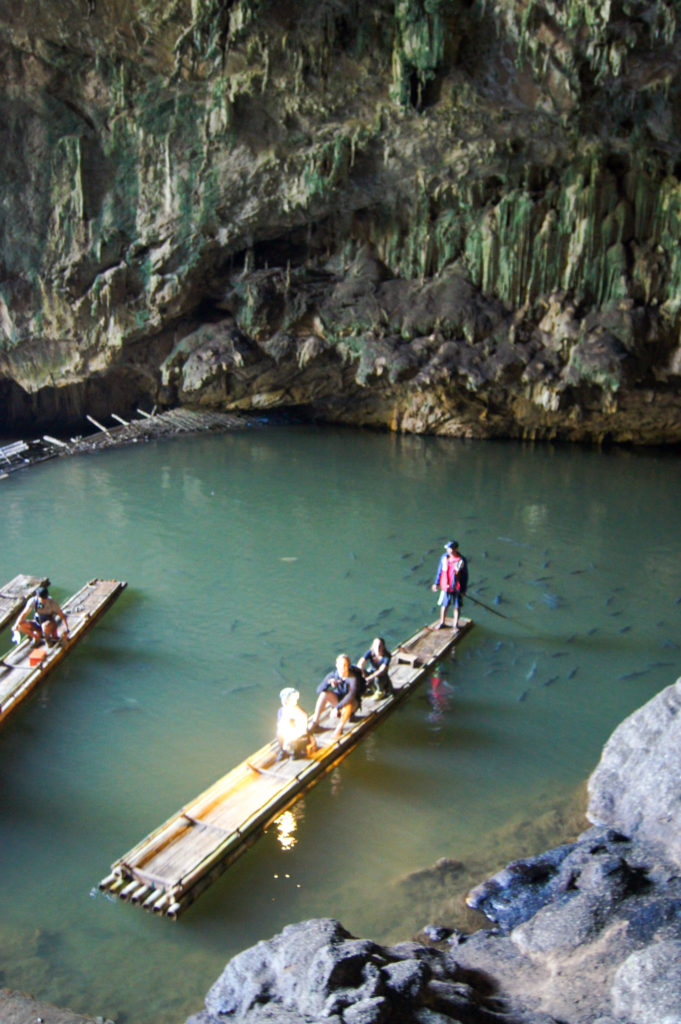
175,863
15,594
18,676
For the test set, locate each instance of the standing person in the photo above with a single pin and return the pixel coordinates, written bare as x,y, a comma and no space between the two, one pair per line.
43,624
374,665
341,689
451,579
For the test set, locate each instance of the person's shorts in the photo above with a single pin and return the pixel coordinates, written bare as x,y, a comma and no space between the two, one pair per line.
446,599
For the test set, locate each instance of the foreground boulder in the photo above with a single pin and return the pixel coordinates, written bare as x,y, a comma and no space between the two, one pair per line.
587,933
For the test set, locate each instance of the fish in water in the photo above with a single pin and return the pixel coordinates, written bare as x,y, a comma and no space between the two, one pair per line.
385,613
235,625
551,681
352,617
552,600
632,675
348,574
407,554
497,599
288,558
509,575
533,671
523,695
559,654
591,631
239,689
624,629
573,672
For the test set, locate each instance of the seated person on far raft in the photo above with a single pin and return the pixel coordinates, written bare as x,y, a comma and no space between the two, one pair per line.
374,665
341,689
39,618
293,734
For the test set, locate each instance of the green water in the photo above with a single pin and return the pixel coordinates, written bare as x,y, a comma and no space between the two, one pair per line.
253,559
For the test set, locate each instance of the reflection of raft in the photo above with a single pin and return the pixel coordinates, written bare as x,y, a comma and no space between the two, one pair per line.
24,666
15,594
176,862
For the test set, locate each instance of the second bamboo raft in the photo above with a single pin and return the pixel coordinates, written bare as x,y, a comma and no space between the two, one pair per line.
175,863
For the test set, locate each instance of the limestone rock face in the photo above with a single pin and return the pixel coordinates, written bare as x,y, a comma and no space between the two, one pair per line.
636,786
430,216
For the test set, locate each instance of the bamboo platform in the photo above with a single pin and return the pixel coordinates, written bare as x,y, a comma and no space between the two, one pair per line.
15,594
18,676
149,426
175,863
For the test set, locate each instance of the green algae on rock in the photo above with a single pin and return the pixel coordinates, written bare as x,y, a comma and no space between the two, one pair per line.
466,215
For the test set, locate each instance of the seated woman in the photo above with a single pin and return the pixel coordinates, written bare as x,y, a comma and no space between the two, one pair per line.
292,732
374,665
342,690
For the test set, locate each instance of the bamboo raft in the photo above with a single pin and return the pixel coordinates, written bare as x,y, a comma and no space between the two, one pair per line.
25,665
15,594
174,864
150,426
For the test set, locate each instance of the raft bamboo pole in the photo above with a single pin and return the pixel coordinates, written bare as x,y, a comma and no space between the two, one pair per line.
170,896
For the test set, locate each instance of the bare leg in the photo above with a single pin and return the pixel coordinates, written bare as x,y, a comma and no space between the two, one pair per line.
29,628
324,698
346,712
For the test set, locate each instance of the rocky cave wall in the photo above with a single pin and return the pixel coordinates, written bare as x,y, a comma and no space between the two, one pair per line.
447,216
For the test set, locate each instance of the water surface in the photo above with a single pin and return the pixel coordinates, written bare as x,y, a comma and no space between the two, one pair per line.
252,559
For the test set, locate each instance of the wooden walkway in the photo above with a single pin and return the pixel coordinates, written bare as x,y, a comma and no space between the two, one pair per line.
15,594
20,669
181,858
22,454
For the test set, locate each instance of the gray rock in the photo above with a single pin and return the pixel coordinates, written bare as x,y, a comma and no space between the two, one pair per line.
647,986
367,1011
635,786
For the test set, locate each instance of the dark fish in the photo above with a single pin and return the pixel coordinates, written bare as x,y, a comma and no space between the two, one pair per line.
545,565
385,612
591,631
497,599
632,675
550,681
348,574
235,625
523,695
509,575
573,672
240,689
409,554
352,617
559,654
541,579
624,629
